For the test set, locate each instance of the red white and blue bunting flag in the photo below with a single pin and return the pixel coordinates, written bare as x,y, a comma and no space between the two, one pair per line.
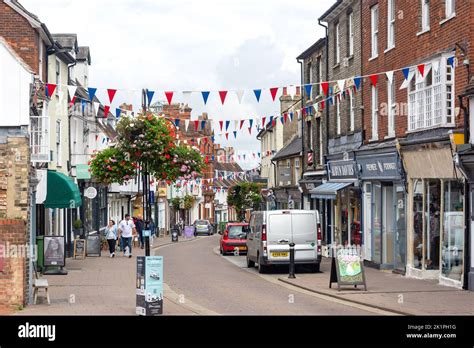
240,95
50,88
273,92
223,95
111,93
169,97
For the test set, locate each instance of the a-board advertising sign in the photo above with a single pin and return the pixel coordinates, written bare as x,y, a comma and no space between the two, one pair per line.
149,288
347,269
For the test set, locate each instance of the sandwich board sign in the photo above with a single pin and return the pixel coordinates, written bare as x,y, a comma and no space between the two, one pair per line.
149,287
347,269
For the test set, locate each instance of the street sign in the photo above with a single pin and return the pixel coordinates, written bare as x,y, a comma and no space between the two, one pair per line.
90,192
149,287
347,269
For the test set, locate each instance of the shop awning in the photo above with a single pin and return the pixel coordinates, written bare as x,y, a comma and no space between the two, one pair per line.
329,190
62,192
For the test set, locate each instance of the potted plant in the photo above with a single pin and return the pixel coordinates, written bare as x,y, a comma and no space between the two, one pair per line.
188,202
78,228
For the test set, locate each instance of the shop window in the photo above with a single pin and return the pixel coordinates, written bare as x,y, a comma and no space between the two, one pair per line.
401,232
418,223
377,223
453,235
432,211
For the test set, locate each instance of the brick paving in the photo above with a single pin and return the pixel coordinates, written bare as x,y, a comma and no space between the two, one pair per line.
99,286
391,291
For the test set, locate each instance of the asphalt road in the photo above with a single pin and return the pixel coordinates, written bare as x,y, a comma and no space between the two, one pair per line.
197,273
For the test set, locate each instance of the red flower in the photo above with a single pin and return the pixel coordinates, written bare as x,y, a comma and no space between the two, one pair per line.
167,156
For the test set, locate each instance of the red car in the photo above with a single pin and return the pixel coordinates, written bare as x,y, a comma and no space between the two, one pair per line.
234,238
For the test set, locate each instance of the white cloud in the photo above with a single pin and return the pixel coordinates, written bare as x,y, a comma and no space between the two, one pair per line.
192,45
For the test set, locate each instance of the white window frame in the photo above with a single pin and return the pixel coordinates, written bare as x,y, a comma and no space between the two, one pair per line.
58,143
425,15
450,8
350,34
39,137
391,107
375,113
390,24
374,30
440,111
351,111
337,44
338,116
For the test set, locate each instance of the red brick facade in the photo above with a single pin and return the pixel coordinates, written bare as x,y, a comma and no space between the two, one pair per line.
23,38
411,49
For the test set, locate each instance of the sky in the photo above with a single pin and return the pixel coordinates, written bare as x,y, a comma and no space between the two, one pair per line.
184,45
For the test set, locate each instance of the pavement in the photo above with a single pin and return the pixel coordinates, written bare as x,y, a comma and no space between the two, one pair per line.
389,291
101,286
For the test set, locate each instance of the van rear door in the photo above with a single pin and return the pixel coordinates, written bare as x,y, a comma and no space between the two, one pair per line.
304,234
278,235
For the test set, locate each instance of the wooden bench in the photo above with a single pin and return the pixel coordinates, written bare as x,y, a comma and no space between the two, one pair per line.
40,283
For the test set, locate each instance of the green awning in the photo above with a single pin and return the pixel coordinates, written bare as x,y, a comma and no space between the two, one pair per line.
62,192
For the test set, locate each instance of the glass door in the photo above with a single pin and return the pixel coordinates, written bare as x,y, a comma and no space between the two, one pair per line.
401,228
433,215
367,221
418,246
387,225
377,223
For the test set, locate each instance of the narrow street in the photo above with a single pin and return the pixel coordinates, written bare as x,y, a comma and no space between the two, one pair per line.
198,273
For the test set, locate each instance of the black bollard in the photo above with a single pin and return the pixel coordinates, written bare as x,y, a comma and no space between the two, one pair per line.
292,261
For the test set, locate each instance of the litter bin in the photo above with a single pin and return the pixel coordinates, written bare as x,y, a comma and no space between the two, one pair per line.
40,250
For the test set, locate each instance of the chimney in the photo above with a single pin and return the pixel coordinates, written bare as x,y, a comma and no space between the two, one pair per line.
285,91
298,90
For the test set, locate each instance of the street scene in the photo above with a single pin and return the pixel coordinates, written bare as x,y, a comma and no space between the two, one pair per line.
231,158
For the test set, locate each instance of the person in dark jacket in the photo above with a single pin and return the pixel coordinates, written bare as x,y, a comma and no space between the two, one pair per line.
139,227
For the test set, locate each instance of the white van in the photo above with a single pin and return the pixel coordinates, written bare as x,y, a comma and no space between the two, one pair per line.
271,232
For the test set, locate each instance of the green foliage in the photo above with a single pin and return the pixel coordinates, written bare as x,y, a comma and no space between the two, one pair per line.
112,166
188,201
244,196
176,202
77,224
146,141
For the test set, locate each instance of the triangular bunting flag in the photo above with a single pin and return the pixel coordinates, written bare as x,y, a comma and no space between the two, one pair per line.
235,134
221,124
357,81
291,117
450,61
118,112
240,95
149,95
308,89
92,92
250,132
176,122
186,125
242,123
111,93
196,125
223,95
285,117
264,118
227,136
421,69
340,84
282,120
389,76
72,92
406,71
227,124
373,79
435,65
258,93
273,92
169,96
205,96
106,111
203,124
251,123
325,87
50,88
96,108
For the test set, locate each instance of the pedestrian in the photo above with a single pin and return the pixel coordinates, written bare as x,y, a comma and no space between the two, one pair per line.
111,236
152,228
127,229
139,226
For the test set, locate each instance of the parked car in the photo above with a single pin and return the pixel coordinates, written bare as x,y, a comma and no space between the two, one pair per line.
234,238
203,227
271,232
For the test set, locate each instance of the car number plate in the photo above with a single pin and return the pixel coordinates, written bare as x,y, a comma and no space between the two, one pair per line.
242,248
280,254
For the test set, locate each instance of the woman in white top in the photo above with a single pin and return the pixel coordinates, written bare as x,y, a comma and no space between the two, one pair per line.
111,235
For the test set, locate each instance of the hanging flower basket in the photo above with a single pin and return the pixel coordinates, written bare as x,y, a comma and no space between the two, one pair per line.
112,166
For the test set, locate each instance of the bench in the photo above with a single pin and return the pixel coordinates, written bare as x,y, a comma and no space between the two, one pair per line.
40,283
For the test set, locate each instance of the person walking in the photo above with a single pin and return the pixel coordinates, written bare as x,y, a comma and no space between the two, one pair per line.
126,229
139,227
111,236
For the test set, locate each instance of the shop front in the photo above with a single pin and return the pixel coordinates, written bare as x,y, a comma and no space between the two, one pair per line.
435,214
341,195
384,209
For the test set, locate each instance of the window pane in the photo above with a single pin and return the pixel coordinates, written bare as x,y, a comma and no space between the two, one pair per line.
377,223
432,216
418,224
453,235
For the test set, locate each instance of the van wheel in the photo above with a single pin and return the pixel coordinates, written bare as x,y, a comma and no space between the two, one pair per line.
250,263
261,268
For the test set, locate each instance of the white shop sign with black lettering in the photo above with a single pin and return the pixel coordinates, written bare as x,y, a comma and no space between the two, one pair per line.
342,170
380,167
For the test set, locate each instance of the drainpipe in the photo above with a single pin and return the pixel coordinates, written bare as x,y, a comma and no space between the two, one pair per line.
303,159
327,79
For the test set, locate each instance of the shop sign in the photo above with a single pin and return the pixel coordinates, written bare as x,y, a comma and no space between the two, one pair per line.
342,170
149,287
384,166
347,269
82,172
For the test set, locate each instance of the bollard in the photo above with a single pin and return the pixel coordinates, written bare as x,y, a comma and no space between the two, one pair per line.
292,261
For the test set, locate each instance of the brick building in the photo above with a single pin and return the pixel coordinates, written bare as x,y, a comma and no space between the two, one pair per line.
412,193
343,111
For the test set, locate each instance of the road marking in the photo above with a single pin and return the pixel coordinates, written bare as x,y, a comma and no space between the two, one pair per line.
274,280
